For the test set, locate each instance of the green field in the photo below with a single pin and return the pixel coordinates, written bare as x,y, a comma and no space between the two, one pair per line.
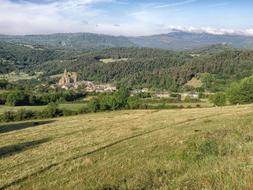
208,148
71,106
110,60
12,77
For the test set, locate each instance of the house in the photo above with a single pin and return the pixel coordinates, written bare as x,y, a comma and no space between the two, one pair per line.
193,95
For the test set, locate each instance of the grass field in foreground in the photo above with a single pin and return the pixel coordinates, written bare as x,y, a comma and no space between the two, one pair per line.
209,148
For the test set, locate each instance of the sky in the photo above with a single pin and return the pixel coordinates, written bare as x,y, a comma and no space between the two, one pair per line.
126,17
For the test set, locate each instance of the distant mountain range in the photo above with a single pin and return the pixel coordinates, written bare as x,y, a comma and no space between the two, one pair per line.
177,40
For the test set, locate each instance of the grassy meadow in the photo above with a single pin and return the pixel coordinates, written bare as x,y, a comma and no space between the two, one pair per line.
110,60
68,106
12,77
208,148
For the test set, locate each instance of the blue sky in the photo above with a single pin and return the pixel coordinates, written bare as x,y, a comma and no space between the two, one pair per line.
126,17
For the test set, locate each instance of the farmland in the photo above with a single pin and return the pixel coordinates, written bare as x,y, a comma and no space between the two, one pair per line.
208,148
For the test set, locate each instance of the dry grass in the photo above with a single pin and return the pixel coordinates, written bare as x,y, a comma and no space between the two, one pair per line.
209,148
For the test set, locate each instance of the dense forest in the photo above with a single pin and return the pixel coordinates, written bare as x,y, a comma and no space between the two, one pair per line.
141,67
176,40
71,41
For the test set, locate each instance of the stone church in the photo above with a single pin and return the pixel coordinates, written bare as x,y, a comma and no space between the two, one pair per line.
68,80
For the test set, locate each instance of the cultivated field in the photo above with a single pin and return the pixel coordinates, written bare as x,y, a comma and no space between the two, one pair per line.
209,148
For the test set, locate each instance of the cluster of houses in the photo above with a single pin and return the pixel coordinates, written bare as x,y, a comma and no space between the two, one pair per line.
92,87
69,81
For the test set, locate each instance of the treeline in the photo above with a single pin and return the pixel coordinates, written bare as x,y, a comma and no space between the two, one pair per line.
104,102
21,97
237,93
51,111
115,101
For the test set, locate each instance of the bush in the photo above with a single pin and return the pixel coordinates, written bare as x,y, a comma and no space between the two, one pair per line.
218,99
83,110
16,98
51,111
67,112
242,92
3,98
23,114
133,102
106,102
8,116
3,84
188,99
93,105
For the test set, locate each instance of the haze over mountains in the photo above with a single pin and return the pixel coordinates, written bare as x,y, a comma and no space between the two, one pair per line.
176,40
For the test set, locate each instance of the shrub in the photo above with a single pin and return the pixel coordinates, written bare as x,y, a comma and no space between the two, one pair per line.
51,111
134,102
93,105
188,99
106,102
8,116
3,84
241,92
3,98
23,114
218,99
16,98
83,110
67,112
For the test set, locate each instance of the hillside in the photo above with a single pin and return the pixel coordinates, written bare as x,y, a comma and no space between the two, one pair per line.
73,41
177,40
133,67
197,149
153,68
180,40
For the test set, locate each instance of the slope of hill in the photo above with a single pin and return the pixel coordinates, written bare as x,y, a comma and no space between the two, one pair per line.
134,67
177,40
153,68
169,149
186,40
75,40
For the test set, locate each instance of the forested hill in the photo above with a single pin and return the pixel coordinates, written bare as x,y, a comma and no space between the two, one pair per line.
135,67
180,40
177,40
71,41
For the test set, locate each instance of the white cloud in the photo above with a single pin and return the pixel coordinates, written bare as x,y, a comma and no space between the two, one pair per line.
59,16
175,4
209,30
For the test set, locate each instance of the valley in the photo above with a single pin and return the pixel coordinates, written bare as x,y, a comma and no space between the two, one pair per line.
126,95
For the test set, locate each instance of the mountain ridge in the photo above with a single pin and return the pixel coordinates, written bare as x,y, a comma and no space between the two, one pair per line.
176,40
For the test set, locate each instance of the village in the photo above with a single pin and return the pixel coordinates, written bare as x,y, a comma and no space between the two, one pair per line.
69,81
